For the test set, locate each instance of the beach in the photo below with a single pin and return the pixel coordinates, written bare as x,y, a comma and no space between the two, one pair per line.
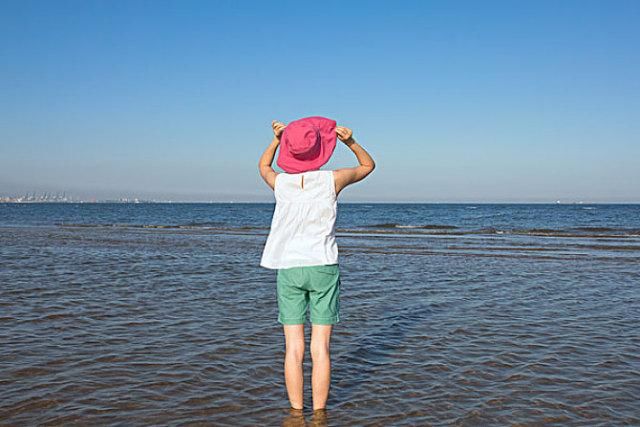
451,314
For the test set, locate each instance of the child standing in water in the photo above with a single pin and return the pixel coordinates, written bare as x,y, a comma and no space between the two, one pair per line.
301,244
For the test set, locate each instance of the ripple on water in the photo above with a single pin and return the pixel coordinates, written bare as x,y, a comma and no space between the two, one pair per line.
112,325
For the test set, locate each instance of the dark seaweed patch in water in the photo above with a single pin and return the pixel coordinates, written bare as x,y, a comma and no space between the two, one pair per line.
424,227
207,226
595,229
487,230
390,229
542,231
550,232
533,231
116,225
610,230
204,224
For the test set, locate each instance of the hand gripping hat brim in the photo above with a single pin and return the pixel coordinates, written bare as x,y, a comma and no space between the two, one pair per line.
307,144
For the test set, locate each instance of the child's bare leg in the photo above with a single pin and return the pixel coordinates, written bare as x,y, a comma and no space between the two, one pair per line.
294,354
321,373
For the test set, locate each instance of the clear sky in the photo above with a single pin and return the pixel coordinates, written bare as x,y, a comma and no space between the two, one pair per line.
456,101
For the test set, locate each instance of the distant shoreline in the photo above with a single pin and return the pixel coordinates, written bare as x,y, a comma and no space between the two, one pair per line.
112,202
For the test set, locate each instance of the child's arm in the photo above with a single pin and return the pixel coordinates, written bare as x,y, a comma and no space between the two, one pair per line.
347,176
264,165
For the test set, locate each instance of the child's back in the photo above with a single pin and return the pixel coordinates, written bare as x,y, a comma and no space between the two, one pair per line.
303,225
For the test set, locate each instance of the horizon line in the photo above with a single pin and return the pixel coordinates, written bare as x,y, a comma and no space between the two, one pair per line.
160,202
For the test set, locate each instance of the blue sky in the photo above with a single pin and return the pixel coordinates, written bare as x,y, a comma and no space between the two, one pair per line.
456,101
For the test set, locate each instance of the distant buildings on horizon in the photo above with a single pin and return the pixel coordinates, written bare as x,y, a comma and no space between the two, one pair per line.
49,197
44,197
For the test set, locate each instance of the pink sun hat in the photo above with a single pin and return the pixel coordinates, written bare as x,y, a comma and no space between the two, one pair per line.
307,144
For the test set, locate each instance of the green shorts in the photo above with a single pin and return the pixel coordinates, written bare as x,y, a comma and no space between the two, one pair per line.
316,287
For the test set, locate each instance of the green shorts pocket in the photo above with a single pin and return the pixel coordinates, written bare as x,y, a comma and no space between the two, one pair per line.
324,294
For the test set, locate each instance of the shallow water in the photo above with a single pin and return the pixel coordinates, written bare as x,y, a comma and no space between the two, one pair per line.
160,315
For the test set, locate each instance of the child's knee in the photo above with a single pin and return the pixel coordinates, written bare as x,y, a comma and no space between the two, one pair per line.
319,350
295,349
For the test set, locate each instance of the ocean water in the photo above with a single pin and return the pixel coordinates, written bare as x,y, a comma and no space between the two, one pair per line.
452,314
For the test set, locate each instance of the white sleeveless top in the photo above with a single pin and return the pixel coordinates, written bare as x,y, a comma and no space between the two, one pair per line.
303,224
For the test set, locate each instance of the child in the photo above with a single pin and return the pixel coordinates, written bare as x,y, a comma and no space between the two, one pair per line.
301,243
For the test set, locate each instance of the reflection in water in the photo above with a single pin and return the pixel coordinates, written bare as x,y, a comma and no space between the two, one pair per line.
319,418
295,418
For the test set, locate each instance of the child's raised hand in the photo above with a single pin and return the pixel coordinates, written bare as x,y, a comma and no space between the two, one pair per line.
344,133
278,128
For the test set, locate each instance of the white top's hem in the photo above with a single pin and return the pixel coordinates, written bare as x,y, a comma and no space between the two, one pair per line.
275,266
